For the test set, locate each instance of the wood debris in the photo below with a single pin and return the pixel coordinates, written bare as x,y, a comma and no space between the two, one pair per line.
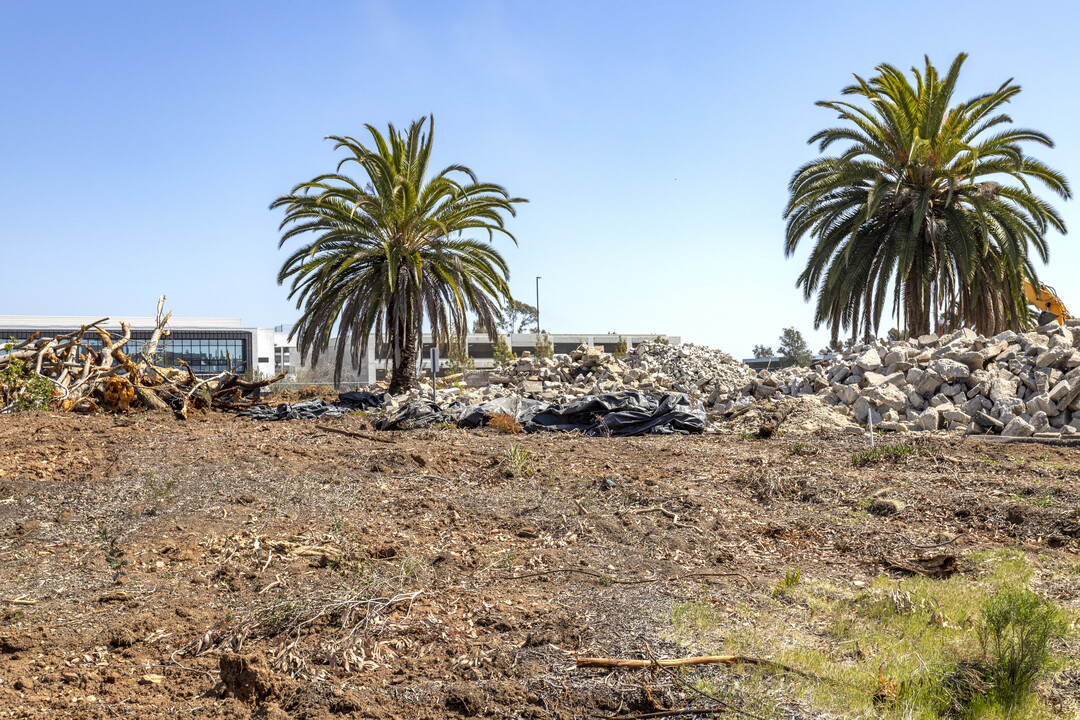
87,379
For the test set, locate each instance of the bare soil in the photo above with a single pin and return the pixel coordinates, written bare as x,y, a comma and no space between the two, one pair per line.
222,568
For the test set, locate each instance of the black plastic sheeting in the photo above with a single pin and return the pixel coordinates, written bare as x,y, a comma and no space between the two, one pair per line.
623,414
316,408
612,415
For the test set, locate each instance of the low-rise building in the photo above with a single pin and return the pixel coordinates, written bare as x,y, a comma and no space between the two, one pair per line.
211,345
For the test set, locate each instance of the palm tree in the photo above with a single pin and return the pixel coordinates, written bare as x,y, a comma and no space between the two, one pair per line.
928,203
388,253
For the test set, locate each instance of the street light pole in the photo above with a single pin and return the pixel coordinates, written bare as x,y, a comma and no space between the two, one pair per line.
538,308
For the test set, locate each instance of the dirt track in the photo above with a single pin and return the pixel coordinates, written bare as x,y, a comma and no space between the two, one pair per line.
270,540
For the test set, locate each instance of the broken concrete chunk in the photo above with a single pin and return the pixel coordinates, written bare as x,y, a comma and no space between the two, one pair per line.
1018,427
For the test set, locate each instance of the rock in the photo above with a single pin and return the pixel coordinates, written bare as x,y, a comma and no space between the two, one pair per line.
925,382
1040,423
869,360
1018,427
956,417
888,396
885,506
928,419
950,370
1060,390
247,677
532,387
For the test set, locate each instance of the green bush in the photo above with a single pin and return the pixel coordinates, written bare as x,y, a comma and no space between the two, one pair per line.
544,347
620,347
1015,629
502,353
21,388
458,359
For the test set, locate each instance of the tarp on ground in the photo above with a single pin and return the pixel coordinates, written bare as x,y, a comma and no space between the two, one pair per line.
623,414
414,415
317,407
618,414
614,414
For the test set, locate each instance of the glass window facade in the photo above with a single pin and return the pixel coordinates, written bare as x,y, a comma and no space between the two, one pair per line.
206,356
208,353
282,360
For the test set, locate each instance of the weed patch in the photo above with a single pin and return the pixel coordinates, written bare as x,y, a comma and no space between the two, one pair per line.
883,452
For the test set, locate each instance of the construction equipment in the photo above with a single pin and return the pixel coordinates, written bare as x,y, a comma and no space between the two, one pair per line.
1048,302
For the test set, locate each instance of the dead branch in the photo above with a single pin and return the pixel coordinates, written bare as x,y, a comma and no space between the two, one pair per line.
678,662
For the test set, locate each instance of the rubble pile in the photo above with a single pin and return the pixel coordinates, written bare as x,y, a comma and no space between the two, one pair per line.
690,368
1013,384
650,368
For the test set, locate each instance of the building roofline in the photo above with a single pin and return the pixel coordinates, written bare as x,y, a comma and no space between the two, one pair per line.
43,322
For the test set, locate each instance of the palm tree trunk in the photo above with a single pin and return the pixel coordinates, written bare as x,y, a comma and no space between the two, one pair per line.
403,376
917,302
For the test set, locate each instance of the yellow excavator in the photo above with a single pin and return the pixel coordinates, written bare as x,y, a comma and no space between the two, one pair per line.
1048,302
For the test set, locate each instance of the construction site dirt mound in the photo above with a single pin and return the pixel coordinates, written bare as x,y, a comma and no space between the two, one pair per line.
800,414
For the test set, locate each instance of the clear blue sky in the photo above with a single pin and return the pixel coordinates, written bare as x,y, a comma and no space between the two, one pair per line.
141,143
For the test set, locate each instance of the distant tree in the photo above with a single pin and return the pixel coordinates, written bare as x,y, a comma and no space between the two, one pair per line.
763,351
502,353
544,347
793,348
894,335
620,347
458,359
517,317
835,347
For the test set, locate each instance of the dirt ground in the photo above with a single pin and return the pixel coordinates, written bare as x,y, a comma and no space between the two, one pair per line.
223,568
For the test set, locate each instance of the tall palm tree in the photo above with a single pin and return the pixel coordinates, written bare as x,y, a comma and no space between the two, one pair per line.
929,203
387,253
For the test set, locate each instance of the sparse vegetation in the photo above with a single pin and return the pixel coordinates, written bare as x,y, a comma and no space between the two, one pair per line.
883,452
1015,629
515,461
917,648
21,388
620,348
159,490
791,579
114,554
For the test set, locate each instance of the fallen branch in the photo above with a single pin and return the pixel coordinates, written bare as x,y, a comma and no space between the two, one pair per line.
666,513
665,713
616,581
678,662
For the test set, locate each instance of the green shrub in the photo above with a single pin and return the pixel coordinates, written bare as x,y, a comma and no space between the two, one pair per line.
21,388
544,348
1015,629
502,353
458,359
620,347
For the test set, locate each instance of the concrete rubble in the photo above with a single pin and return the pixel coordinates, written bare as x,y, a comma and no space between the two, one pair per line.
1013,384
651,367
